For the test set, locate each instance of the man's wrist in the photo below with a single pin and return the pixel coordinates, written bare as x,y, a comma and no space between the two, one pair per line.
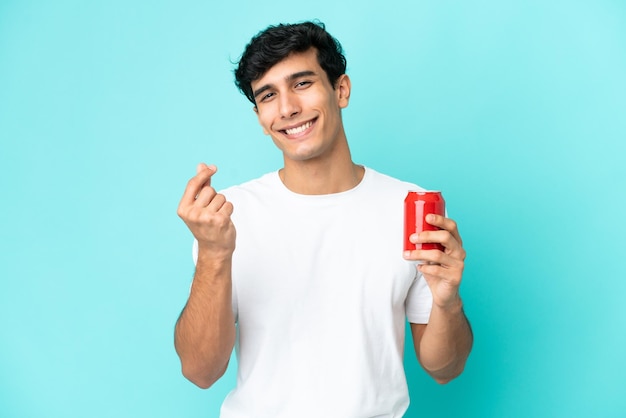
453,306
214,255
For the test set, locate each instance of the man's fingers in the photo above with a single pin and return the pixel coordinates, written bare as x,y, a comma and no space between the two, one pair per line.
448,236
216,202
202,166
227,208
221,205
205,197
437,257
195,185
443,237
445,223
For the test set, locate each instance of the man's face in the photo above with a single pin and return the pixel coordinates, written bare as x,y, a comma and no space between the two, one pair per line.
297,106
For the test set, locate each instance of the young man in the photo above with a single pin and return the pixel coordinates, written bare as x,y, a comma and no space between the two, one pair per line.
313,288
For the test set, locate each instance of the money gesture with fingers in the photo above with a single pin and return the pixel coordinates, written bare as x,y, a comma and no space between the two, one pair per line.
207,214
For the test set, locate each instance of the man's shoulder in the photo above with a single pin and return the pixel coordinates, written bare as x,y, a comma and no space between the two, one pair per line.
386,182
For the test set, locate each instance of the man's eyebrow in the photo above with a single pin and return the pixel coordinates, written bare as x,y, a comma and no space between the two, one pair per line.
260,90
306,73
290,77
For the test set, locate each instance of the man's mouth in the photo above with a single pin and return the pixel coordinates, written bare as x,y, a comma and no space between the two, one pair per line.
299,129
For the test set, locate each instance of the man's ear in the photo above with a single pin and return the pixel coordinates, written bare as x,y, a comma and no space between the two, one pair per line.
342,89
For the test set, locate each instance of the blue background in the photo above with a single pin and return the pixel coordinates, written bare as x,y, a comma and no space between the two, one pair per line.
515,109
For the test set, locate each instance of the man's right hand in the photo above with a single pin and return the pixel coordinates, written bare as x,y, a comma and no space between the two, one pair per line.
207,214
205,331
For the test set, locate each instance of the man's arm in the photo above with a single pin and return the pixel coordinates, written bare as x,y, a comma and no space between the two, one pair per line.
205,331
443,345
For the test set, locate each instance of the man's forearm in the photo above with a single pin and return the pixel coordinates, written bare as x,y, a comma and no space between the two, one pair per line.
446,343
205,331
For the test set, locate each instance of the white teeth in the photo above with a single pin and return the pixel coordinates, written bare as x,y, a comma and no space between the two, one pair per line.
299,129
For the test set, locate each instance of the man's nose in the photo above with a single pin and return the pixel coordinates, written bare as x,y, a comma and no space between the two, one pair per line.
289,106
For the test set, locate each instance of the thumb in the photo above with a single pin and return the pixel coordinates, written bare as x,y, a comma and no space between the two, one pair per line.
203,166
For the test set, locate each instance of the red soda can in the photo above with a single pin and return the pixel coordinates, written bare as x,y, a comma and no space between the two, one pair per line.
417,205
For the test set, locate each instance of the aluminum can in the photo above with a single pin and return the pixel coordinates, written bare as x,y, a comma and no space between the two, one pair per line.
417,205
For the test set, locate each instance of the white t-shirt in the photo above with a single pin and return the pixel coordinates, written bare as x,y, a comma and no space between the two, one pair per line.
321,294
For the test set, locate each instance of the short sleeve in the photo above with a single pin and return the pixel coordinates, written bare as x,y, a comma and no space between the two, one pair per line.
419,301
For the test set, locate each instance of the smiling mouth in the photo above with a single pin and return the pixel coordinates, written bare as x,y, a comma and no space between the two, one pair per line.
299,129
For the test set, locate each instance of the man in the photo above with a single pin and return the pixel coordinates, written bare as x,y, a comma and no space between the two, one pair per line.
313,287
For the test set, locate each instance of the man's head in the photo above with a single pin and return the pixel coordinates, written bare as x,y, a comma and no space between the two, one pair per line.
276,43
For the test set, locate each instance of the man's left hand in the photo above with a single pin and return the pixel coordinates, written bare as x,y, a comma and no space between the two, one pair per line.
442,270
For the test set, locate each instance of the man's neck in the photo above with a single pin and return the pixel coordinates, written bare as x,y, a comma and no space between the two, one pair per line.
321,177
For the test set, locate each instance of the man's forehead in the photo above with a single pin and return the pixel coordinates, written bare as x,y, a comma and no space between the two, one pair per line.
297,63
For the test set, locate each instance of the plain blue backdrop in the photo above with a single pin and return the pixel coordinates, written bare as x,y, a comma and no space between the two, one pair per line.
515,109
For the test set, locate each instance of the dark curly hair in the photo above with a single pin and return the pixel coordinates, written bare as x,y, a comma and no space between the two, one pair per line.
276,43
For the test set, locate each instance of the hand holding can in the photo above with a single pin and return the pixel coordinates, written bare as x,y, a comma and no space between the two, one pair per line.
417,205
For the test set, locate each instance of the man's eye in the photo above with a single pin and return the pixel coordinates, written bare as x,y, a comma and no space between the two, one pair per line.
267,96
303,84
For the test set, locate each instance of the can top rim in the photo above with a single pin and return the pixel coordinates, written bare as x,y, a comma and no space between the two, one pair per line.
424,191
